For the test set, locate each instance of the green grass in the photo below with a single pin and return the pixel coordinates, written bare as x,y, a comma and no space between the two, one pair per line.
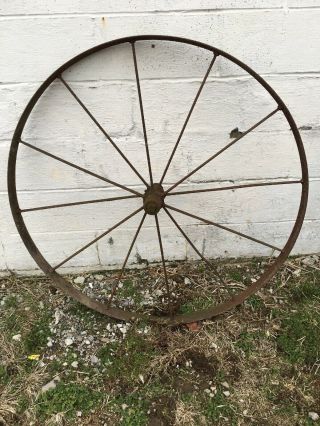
135,352
247,341
214,408
67,398
11,301
261,350
38,334
4,376
255,302
236,275
132,409
129,290
107,353
195,304
307,291
299,340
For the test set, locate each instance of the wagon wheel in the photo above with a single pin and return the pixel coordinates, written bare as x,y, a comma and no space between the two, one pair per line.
155,197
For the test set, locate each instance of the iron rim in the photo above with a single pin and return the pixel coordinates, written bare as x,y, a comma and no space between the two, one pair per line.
64,285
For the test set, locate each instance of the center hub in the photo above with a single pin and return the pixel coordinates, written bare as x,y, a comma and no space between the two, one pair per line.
153,199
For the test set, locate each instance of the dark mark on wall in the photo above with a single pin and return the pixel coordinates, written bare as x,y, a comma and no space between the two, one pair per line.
235,133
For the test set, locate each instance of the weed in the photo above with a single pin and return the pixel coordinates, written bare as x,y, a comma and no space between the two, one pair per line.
38,335
216,407
67,398
129,291
236,275
246,342
133,410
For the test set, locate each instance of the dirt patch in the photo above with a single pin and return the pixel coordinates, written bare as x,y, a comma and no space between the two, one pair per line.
162,412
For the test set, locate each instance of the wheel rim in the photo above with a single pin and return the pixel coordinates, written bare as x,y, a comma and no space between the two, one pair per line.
152,201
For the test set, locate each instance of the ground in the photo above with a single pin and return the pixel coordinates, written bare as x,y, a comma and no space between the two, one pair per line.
259,364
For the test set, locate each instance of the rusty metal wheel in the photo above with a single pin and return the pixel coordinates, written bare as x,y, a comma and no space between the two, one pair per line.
156,196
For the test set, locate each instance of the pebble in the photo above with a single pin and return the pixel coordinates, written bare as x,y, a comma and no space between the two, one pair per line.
79,413
16,337
94,359
74,364
310,260
79,280
99,277
313,416
187,281
124,406
48,386
141,378
297,272
58,314
68,341
225,385
226,393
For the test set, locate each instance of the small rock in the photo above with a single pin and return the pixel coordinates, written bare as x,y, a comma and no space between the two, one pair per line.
74,364
310,260
58,314
187,281
68,341
79,280
141,378
94,359
79,413
16,337
124,406
99,277
313,416
48,386
225,385
226,393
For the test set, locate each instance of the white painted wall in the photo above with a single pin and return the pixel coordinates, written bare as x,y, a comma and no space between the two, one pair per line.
279,39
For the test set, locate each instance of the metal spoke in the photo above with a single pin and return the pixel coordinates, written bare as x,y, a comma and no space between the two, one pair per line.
225,188
209,222
48,154
102,129
188,116
77,203
164,264
212,267
98,238
141,110
115,286
223,149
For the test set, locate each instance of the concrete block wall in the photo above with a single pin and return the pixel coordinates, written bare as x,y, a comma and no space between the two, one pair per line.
278,39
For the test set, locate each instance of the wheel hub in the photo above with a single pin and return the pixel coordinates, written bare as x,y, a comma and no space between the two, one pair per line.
153,199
